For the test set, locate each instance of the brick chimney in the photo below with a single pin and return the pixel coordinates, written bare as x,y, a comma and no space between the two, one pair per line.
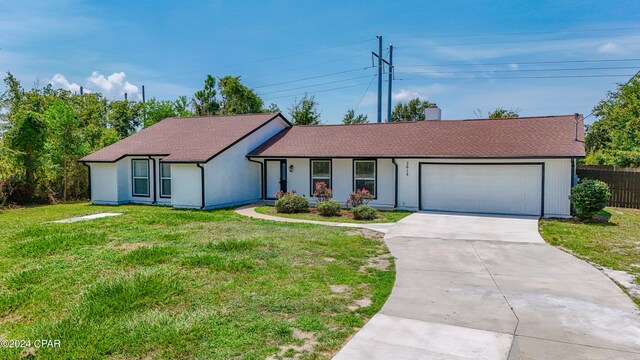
433,112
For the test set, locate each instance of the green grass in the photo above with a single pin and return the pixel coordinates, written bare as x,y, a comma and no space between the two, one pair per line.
614,244
176,284
383,216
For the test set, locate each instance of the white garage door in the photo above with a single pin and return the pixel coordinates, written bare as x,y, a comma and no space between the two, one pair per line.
493,189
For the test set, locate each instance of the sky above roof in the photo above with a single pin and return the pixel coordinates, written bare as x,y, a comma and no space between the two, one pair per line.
543,58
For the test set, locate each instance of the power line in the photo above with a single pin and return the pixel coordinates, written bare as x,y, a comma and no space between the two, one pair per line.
302,67
519,41
313,77
514,33
314,85
519,77
516,70
317,91
266,59
523,62
617,91
365,92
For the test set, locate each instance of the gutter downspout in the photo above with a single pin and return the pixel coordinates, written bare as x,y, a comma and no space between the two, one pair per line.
155,181
89,170
202,183
395,195
261,177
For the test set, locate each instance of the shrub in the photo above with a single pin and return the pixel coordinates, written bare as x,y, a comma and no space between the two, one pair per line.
322,192
281,193
364,212
329,208
292,203
360,197
589,197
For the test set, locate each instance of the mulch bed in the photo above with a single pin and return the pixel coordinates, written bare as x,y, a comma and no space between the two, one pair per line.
343,213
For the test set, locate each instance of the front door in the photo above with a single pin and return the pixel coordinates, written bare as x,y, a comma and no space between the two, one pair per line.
276,177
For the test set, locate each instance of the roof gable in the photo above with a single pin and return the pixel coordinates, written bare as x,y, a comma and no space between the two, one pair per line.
189,139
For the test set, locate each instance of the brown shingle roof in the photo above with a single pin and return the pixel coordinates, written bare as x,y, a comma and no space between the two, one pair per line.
192,139
549,136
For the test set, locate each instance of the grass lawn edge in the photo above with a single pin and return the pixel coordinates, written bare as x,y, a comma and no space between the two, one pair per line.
386,216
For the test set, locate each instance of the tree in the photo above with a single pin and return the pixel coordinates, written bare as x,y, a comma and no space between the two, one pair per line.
614,139
27,139
204,101
181,106
124,116
91,110
237,98
411,111
305,111
499,113
351,118
273,108
65,143
157,110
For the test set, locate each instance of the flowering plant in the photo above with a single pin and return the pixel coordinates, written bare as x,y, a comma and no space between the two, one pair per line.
360,197
322,192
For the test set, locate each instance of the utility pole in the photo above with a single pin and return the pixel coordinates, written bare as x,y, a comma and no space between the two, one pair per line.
379,78
390,82
144,108
381,62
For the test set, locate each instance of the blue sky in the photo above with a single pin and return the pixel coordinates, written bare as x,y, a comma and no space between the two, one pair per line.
119,46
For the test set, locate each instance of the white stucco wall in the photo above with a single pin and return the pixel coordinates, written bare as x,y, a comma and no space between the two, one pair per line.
186,185
104,183
230,178
342,180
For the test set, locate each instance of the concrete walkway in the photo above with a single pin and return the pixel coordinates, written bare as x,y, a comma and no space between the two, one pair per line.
483,287
250,211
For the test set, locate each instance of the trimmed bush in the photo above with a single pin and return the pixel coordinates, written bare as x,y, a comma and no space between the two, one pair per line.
364,212
322,192
589,197
329,208
292,203
360,197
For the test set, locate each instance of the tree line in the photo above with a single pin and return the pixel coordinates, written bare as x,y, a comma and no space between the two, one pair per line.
44,131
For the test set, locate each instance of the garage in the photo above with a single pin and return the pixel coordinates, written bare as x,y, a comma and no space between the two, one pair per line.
513,189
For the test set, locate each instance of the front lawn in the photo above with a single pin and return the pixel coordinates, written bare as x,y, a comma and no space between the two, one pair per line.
346,216
614,244
163,283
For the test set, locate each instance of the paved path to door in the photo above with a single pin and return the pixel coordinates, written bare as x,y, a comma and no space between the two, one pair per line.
250,211
481,287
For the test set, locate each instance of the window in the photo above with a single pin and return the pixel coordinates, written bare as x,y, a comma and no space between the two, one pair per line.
364,175
140,177
320,172
165,180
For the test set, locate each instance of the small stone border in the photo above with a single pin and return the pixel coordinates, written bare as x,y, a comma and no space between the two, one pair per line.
250,211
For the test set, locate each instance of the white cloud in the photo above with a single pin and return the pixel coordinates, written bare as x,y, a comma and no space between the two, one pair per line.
59,81
514,66
424,93
129,88
113,86
107,83
610,48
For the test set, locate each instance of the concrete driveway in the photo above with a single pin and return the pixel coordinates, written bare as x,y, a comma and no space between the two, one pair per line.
484,287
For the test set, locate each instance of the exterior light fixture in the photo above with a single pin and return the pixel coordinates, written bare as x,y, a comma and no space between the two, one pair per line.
290,168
